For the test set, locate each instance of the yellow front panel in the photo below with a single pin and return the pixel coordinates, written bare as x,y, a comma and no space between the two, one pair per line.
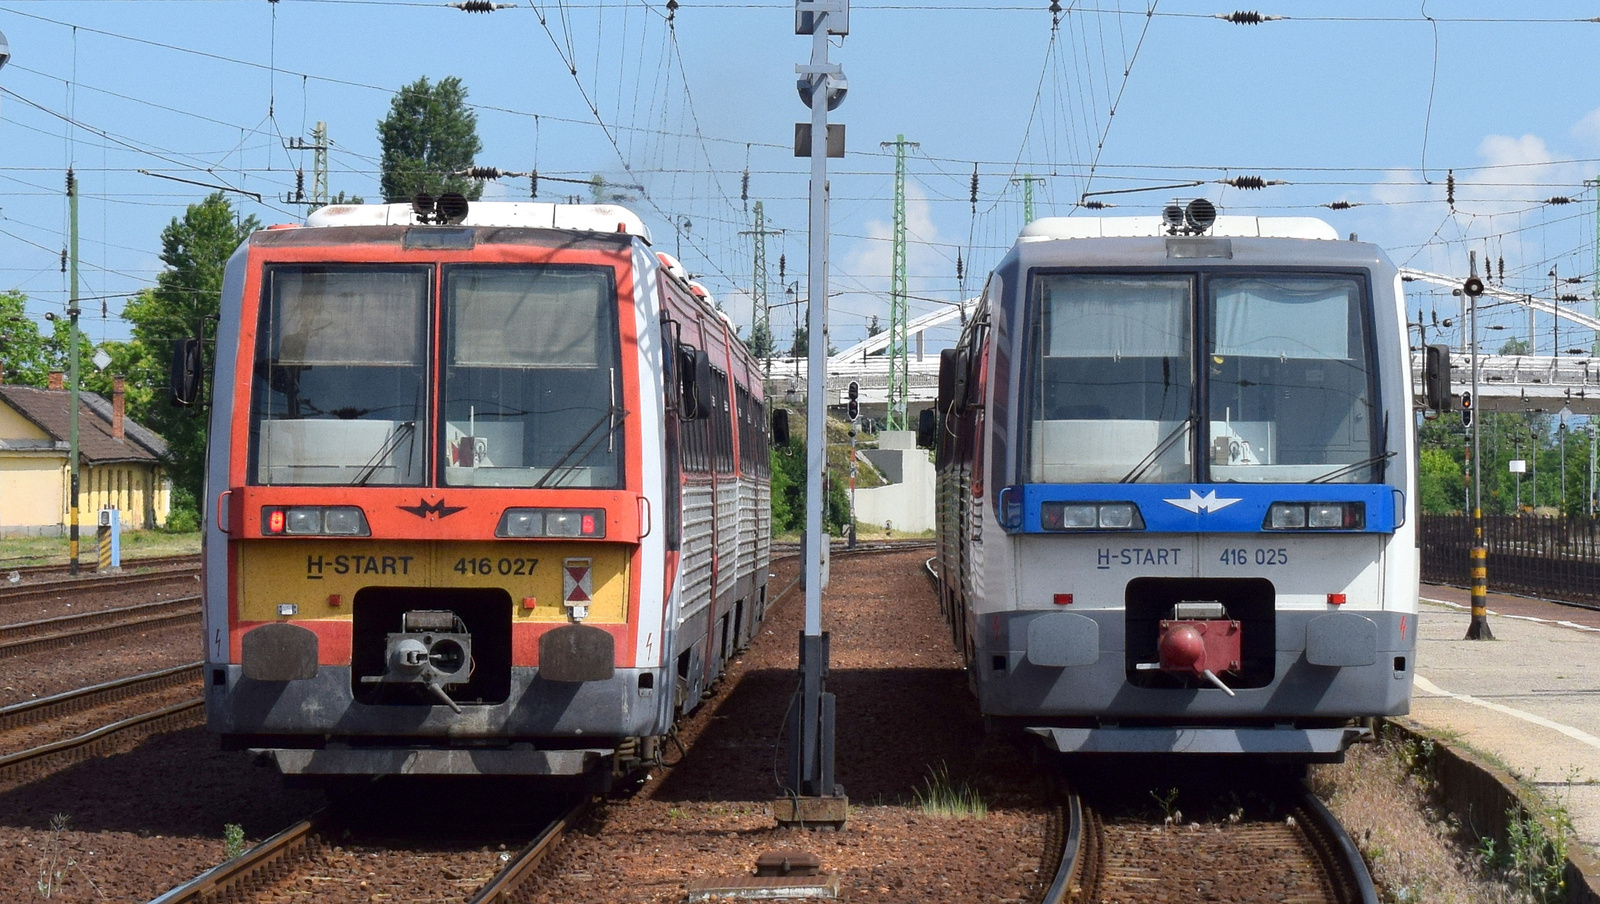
308,572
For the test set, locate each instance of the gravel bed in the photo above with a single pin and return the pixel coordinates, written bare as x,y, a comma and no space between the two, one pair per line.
49,672
93,595
903,708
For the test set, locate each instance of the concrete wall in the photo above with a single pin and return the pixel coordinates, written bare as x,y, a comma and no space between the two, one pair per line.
907,502
31,494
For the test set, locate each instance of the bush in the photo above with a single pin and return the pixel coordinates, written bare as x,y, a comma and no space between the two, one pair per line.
184,515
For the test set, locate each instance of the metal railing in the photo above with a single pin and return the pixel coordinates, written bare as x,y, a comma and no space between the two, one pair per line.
1551,558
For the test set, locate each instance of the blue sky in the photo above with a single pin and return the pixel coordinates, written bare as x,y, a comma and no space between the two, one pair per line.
1362,102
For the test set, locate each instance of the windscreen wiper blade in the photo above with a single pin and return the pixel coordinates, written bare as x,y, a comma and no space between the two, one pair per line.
389,445
1160,449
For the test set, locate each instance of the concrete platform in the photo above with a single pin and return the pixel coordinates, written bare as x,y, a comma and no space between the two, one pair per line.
1530,698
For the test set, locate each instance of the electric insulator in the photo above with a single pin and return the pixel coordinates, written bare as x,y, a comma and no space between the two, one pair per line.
533,184
300,185
1094,205
1450,187
974,185
1249,182
476,6
960,267
1055,7
1502,269
672,9
483,172
63,260
744,186
1559,199
782,260
1245,17
1339,205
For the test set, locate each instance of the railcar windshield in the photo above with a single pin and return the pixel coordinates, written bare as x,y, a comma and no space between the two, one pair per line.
1288,388
531,382
1290,394
1113,388
339,389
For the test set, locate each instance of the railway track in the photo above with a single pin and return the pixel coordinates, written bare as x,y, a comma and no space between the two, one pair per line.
29,573
307,854
1290,849
25,593
61,631
40,758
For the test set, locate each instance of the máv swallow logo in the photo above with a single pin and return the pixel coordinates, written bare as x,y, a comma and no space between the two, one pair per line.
424,509
1198,504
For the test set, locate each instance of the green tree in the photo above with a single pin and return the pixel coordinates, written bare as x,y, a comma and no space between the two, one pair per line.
23,359
187,297
1439,483
429,135
761,340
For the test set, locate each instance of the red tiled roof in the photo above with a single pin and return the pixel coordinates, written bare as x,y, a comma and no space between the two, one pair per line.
49,410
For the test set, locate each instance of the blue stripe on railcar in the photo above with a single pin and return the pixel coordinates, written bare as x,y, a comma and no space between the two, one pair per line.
1202,507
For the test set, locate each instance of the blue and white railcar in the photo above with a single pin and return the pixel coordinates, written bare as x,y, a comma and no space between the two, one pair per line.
1177,487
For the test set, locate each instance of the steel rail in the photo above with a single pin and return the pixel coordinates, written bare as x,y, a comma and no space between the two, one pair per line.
47,633
90,743
49,590
30,712
510,878
1347,870
1069,870
91,567
258,860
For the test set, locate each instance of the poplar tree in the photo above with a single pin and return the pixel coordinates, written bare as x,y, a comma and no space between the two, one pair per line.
429,136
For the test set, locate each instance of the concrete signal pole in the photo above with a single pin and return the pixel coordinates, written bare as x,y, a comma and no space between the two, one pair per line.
1479,628
812,798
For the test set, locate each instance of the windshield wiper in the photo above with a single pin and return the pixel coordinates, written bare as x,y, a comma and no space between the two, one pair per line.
561,467
1378,459
1160,449
389,445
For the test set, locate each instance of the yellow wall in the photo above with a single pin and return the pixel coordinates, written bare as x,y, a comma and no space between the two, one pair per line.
139,493
15,426
31,491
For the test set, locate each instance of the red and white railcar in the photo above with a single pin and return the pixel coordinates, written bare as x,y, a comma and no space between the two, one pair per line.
487,492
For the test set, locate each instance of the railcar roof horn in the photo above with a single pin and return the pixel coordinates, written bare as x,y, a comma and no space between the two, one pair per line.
1193,218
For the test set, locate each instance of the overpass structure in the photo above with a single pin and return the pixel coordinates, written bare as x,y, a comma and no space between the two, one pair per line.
1540,383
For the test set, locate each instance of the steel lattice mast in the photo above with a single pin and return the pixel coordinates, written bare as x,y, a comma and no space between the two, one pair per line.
899,366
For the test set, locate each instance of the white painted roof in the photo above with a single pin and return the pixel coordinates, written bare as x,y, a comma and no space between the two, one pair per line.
527,214
1049,228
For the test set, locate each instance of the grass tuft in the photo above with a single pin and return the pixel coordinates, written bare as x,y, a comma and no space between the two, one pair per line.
944,798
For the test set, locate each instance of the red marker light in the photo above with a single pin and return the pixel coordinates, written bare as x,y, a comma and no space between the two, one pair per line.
275,522
588,525
1063,599
1336,599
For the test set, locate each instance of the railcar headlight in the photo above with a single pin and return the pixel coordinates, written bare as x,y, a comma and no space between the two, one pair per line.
314,521
1316,516
1067,516
536,522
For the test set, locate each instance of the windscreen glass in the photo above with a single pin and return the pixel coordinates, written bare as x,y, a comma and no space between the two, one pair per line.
339,390
1290,394
1113,388
531,392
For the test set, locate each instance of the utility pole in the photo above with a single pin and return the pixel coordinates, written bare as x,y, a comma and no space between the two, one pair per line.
760,309
899,368
1594,286
1027,180
1478,629
319,169
72,395
812,798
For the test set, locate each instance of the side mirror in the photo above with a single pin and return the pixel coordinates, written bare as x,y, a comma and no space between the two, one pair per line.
780,426
953,379
1436,377
927,428
694,382
186,372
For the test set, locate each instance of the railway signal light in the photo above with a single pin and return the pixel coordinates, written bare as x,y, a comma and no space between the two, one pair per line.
1466,409
853,404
